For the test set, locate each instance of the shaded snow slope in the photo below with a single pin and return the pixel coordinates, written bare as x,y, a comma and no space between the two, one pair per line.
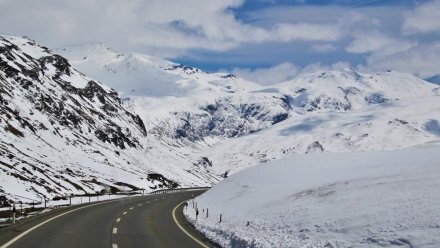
357,199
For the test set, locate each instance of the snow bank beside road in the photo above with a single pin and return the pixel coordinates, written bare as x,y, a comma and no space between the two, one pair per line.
362,199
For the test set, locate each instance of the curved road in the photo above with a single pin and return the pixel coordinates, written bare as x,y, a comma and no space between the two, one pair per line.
145,221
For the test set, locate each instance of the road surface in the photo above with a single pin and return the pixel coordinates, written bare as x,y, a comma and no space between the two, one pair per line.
145,221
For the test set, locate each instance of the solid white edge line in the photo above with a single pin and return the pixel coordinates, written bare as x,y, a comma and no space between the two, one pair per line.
10,242
183,229
115,230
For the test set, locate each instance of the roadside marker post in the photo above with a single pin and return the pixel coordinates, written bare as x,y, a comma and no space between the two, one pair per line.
13,214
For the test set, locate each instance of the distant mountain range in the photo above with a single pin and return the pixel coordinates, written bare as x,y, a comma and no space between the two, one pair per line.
169,125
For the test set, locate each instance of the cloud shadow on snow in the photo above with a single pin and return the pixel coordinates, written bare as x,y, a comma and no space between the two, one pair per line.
433,127
301,128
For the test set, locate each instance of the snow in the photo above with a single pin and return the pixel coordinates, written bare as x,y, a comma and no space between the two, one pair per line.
357,199
27,46
58,159
338,110
193,117
134,74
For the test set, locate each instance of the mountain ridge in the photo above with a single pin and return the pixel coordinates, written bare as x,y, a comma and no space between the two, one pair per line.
178,126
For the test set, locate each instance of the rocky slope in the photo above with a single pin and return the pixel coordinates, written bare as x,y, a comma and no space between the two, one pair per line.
64,133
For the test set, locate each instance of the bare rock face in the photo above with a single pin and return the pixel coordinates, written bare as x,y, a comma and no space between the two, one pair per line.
53,117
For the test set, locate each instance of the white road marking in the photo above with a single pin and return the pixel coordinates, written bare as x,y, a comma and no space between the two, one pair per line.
148,201
140,204
114,246
44,222
115,230
118,219
183,230
131,208
124,213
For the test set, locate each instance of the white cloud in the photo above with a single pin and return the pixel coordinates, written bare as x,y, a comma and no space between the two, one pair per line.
284,72
423,19
170,26
307,31
422,60
366,42
266,76
323,48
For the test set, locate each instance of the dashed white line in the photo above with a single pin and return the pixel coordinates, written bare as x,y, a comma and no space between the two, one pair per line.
118,219
115,230
124,213
114,246
140,204
131,208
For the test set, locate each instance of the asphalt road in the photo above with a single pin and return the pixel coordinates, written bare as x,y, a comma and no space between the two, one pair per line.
145,221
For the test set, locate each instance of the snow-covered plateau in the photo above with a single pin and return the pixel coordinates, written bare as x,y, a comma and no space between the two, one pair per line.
346,199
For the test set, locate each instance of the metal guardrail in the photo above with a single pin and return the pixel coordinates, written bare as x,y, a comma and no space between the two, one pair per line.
163,191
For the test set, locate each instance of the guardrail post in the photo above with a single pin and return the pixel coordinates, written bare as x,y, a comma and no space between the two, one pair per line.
220,219
207,212
13,214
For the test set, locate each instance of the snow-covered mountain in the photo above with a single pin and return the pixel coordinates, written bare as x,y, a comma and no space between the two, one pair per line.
340,111
167,124
179,102
64,133
234,123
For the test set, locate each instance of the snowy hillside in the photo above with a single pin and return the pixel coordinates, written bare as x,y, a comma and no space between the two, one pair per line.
180,103
357,199
231,124
143,75
383,112
64,133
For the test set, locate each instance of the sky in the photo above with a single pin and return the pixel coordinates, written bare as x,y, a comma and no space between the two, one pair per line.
267,41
